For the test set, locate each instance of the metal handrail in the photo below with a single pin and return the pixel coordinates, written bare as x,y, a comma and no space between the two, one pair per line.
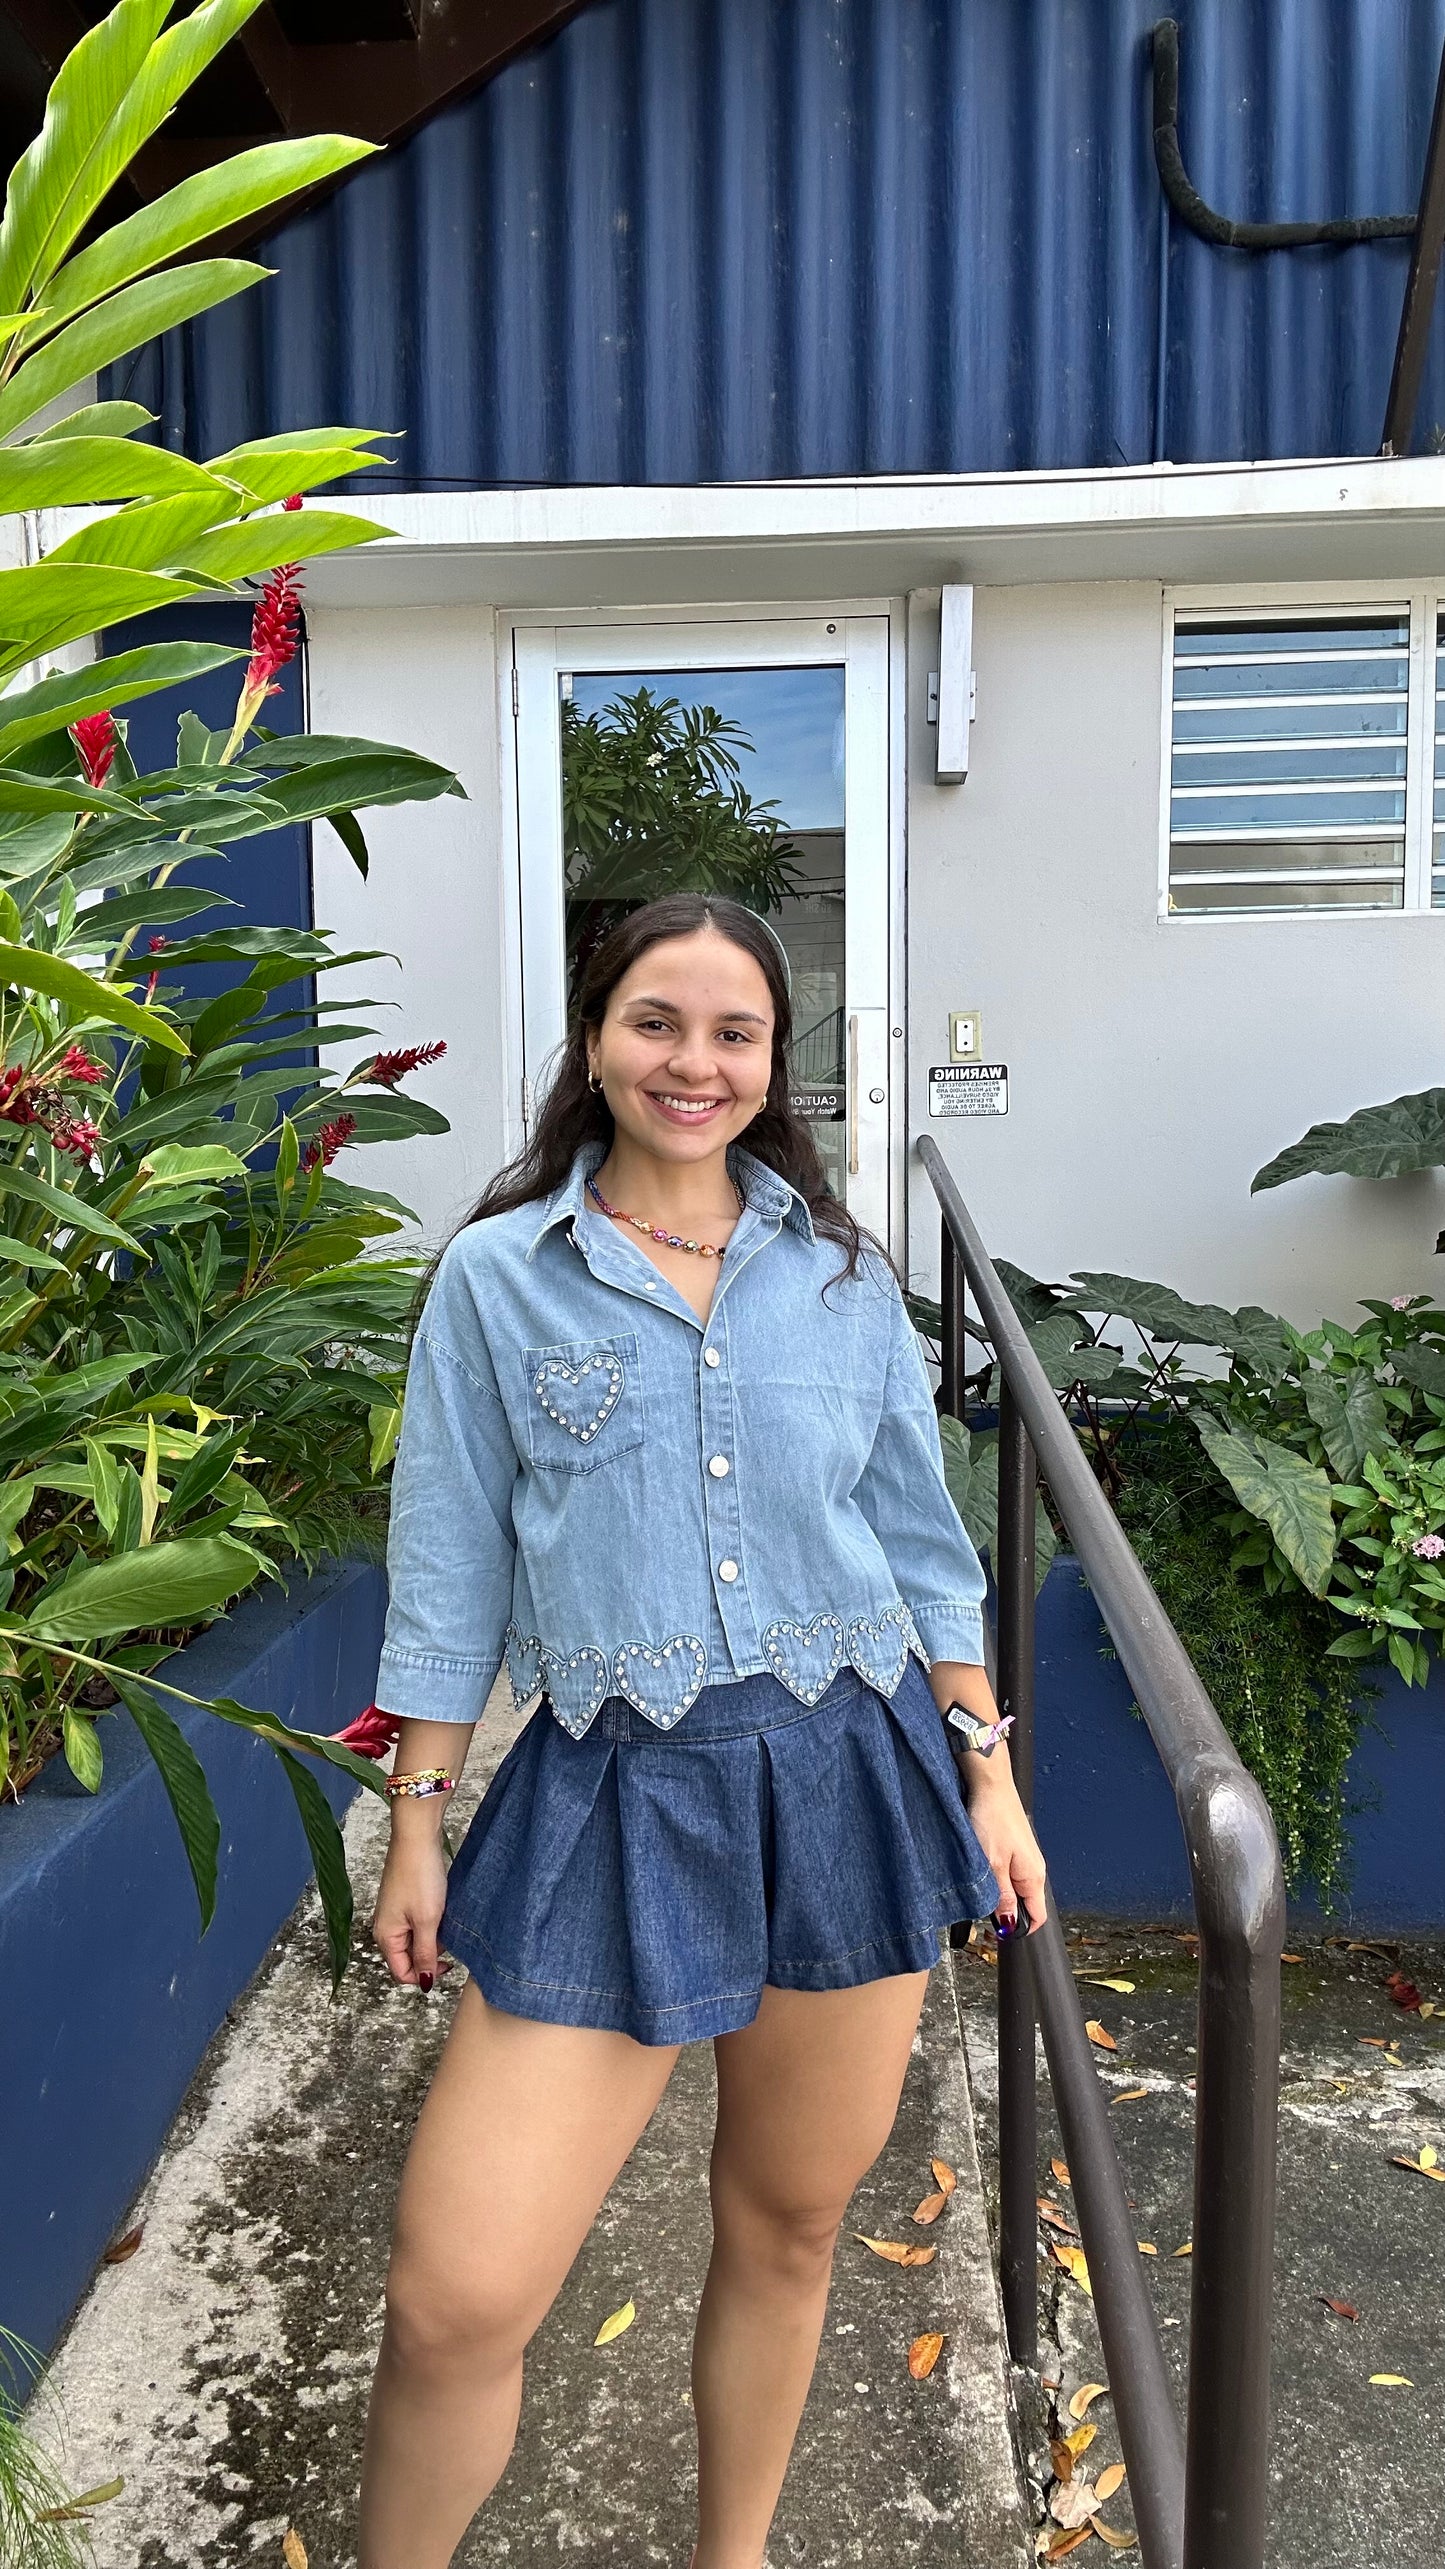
1199,2498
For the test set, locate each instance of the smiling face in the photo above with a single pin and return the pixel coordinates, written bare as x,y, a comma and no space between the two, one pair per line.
685,1049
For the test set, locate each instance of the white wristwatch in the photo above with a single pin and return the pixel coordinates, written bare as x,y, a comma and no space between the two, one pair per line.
984,1736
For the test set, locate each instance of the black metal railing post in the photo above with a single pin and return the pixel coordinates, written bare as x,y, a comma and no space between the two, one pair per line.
1017,2077
1200,2502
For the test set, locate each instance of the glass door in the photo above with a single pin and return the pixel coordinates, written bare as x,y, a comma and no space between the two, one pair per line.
741,757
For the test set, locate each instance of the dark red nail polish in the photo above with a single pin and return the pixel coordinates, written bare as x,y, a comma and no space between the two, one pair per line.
424,1979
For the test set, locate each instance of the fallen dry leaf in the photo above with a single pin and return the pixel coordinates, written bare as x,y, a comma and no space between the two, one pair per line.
1341,2309
1062,2460
1096,1980
1071,2503
1115,2535
119,2249
1051,2214
74,2510
930,2208
1424,2166
1428,2008
943,2175
1147,2248
1060,2169
1128,2095
897,2251
1074,2262
1085,2395
1064,2543
1186,2250
1376,2042
1097,2034
293,2549
615,2322
1393,2381
1291,1957
924,2353
1109,2480
1080,2440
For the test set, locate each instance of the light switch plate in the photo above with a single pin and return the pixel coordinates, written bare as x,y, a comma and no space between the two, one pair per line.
965,1034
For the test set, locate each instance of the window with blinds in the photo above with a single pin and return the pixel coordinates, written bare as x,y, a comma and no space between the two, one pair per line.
1287,787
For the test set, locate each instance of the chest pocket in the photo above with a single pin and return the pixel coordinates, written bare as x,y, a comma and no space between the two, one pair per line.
584,1402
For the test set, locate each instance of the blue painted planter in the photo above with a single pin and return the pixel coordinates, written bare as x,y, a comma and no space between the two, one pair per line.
109,1993
1106,1816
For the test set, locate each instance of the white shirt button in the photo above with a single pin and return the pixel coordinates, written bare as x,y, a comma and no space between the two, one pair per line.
710,1356
649,1288
719,1466
727,1570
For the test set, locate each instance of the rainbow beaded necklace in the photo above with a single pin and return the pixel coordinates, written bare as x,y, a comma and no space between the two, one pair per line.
669,1239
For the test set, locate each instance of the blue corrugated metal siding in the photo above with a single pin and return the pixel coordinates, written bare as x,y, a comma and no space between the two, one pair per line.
694,240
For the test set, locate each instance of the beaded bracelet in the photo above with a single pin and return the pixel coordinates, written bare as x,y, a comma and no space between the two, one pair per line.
426,1779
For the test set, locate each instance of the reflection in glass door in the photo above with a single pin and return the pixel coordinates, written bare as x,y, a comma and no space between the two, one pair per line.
749,759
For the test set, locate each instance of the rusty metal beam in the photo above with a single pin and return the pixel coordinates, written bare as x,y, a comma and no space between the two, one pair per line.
1420,286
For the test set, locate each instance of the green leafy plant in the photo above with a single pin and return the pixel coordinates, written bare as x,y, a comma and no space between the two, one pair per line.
201,1337
43,2525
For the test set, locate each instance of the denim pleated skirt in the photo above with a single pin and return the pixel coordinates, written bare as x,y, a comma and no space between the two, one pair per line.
655,1881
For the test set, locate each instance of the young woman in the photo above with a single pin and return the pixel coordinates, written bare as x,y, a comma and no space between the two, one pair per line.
669,1453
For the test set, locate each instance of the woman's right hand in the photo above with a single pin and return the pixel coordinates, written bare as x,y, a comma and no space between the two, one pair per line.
411,1897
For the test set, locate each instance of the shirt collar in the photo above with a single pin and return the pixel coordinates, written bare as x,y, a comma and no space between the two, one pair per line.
764,1191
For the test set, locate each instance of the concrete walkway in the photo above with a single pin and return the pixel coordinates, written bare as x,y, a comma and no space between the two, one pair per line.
223,2369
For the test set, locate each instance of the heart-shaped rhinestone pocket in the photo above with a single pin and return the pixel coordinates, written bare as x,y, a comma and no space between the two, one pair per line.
662,1682
879,1651
580,1397
806,1657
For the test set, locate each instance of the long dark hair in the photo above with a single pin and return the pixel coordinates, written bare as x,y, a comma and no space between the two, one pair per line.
572,1113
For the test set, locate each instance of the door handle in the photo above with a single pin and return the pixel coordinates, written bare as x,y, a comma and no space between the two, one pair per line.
853,1096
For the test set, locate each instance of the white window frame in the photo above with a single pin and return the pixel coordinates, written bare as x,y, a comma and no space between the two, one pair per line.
876,927
1423,601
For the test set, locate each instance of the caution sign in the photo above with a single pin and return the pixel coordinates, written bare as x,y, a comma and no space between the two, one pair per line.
968,1088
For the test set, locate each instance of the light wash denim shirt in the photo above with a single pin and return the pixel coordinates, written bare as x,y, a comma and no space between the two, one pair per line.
619,1498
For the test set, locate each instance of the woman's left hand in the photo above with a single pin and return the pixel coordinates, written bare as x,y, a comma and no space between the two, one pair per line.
1001,1825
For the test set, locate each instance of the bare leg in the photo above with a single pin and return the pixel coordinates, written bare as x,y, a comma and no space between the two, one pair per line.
807,2096
523,2129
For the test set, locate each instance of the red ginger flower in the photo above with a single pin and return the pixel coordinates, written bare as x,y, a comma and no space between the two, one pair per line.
275,627
372,1733
152,978
95,738
78,1135
388,1068
75,1063
332,1137
16,1095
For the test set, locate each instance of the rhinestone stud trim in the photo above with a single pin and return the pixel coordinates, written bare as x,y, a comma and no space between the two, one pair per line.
548,1382
682,1662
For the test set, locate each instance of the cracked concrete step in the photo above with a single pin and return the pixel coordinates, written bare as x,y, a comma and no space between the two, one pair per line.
224,2368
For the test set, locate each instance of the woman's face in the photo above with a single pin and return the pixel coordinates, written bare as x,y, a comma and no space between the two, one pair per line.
685,1048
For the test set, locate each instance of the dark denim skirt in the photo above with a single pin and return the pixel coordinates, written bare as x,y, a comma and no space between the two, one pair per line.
654,1882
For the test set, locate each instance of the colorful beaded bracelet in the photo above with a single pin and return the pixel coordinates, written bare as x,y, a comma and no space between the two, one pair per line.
426,1779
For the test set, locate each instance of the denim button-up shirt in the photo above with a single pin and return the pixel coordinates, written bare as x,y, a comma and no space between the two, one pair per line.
619,1498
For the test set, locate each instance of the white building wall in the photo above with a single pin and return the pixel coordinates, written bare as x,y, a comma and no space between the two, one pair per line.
1154,1064
425,678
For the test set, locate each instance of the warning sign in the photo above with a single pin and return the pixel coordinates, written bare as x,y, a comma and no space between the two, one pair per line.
968,1088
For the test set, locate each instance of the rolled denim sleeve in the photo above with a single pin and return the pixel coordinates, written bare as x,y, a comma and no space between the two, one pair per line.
450,1544
905,1498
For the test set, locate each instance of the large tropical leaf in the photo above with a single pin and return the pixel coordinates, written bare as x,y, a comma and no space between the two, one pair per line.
1288,1494
1256,1335
30,969
50,603
96,419
31,712
48,198
328,1854
159,1583
1379,1141
271,468
187,1791
1423,1366
1350,1413
196,210
64,1204
385,1115
314,1743
970,1467
139,312
262,543
151,536
82,472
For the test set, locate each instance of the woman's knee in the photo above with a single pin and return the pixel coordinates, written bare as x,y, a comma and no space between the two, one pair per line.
790,2235
438,2318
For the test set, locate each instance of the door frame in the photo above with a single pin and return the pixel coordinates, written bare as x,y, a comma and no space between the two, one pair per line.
874,917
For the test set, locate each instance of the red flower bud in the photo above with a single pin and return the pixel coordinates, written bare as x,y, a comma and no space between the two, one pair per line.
331,1138
275,626
388,1068
95,738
